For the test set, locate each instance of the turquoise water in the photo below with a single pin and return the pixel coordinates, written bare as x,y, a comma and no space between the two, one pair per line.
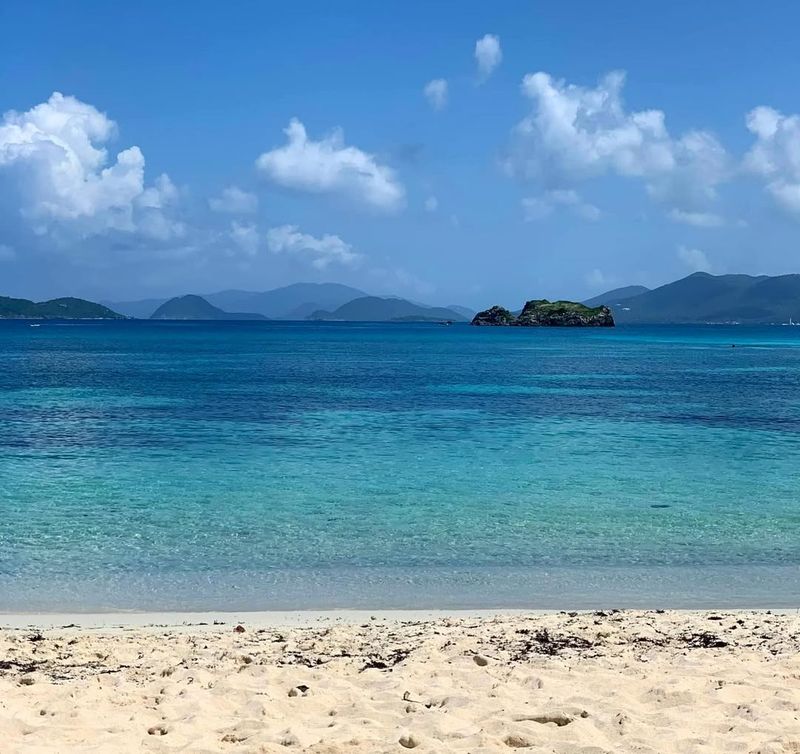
292,465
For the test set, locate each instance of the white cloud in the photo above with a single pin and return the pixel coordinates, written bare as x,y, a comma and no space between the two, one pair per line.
328,166
245,236
431,204
597,279
697,219
322,251
540,207
53,161
7,253
694,259
436,93
488,55
776,155
536,208
576,133
234,201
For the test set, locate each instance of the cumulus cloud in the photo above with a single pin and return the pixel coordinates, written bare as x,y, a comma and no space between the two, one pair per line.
539,207
234,201
436,93
488,55
54,163
322,252
245,236
328,166
694,259
431,204
576,133
697,219
776,155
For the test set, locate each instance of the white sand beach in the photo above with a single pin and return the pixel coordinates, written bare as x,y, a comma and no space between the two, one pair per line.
588,683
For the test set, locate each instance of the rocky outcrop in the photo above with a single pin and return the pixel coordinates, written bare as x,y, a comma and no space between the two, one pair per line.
544,313
495,316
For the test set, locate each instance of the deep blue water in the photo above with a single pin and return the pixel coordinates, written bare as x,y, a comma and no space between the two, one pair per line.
278,465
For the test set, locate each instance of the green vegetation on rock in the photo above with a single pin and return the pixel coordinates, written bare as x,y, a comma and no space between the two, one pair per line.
544,313
495,316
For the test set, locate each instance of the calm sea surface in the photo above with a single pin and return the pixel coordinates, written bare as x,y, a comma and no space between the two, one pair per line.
291,465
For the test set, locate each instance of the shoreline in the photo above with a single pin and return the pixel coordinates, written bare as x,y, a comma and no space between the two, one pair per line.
147,619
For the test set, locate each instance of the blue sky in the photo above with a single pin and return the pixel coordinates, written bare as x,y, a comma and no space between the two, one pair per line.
533,170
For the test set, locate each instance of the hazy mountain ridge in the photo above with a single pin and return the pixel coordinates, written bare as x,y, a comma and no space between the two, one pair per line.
609,298
705,298
697,298
377,309
464,311
141,309
288,301
294,301
197,308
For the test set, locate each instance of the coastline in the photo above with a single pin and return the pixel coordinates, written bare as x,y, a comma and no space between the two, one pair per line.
263,619
650,682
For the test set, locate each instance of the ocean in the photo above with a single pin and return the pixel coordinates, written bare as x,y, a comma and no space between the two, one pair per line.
270,465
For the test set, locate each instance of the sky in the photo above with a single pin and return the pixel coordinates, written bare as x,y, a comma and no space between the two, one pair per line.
465,153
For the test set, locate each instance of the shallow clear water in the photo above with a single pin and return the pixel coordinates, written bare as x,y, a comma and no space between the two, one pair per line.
280,465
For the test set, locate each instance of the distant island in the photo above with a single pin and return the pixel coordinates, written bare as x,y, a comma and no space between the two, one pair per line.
57,308
699,298
544,313
702,298
290,302
376,309
196,307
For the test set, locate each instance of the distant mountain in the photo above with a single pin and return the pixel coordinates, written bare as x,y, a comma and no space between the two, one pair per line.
716,299
375,309
464,311
295,301
196,307
302,312
57,308
609,298
136,309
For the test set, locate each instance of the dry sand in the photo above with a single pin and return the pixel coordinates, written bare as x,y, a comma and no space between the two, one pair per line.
584,683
